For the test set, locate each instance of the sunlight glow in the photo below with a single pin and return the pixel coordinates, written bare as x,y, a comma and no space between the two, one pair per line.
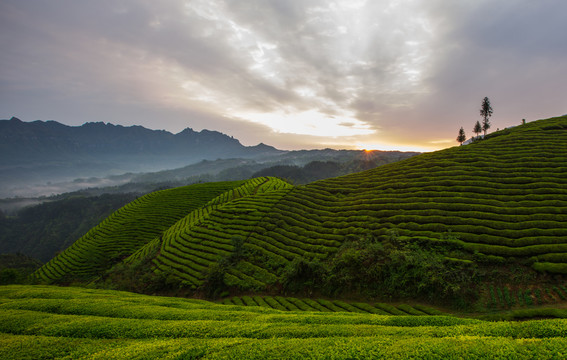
392,147
312,122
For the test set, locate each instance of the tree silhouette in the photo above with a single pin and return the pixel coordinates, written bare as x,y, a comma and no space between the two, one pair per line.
486,113
462,137
477,128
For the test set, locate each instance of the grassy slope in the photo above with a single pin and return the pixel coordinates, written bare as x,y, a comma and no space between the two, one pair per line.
504,197
127,229
72,323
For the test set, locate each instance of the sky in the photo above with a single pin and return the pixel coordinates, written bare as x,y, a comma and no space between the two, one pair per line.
296,74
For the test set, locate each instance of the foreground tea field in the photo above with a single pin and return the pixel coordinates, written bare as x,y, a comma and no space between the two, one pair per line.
43,322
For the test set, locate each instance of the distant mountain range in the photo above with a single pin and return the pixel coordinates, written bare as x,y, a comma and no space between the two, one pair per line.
37,141
43,151
43,158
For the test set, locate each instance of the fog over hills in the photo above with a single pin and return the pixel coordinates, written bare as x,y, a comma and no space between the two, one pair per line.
42,152
43,158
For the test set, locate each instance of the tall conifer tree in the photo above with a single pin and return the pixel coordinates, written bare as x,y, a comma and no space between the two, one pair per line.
462,137
477,128
486,113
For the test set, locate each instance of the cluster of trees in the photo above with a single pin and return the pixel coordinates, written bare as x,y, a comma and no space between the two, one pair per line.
485,112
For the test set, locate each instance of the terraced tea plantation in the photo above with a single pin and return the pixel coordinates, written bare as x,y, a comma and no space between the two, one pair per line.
493,205
481,227
43,322
294,304
194,243
128,229
505,196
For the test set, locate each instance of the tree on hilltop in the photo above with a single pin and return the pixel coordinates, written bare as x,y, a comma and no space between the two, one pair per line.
462,137
486,113
477,128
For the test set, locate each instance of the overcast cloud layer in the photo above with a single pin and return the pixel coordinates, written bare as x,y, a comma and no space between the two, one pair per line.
293,74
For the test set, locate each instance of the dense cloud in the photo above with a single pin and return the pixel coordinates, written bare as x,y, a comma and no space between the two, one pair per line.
295,74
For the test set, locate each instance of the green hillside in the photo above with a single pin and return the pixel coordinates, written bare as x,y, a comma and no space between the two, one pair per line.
484,221
128,229
46,322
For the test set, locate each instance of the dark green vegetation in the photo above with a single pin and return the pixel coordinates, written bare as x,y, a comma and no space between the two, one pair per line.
15,268
482,225
43,230
41,322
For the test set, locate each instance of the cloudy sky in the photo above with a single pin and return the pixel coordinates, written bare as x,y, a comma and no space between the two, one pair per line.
376,74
